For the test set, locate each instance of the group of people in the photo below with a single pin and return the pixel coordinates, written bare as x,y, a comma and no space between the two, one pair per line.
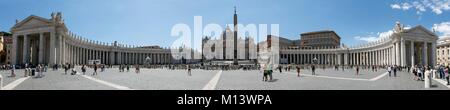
439,72
30,70
392,70
71,68
444,72
127,67
123,67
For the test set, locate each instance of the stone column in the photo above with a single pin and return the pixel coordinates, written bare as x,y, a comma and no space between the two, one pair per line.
425,53
403,53
84,56
75,55
338,62
89,54
41,48
376,57
368,58
306,58
361,58
374,61
111,60
77,58
412,53
389,56
26,47
68,54
59,49
353,58
392,53
433,54
14,50
397,54
134,58
345,59
63,49
383,57
119,57
80,55
67,59
328,59
124,58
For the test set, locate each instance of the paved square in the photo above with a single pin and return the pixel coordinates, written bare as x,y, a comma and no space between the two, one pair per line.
163,79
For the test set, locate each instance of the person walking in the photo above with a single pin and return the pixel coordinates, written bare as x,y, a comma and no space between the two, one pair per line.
66,68
298,71
446,73
83,69
137,69
441,72
102,68
120,68
13,69
39,71
414,71
389,69
128,68
265,72
45,67
357,70
270,70
313,69
395,70
189,70
27,72
427,77
419,73
281,69
95,69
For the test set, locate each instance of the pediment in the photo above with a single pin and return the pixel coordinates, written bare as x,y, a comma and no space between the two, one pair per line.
422,32
32,22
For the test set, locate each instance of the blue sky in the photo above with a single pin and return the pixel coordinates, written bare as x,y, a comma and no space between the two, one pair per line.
149,22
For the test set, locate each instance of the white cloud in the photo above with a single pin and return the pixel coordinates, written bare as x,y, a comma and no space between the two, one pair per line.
421,6
442,28
396,6
372,37
367,39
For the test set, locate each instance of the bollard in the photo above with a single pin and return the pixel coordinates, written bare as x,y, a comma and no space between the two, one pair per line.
1,82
